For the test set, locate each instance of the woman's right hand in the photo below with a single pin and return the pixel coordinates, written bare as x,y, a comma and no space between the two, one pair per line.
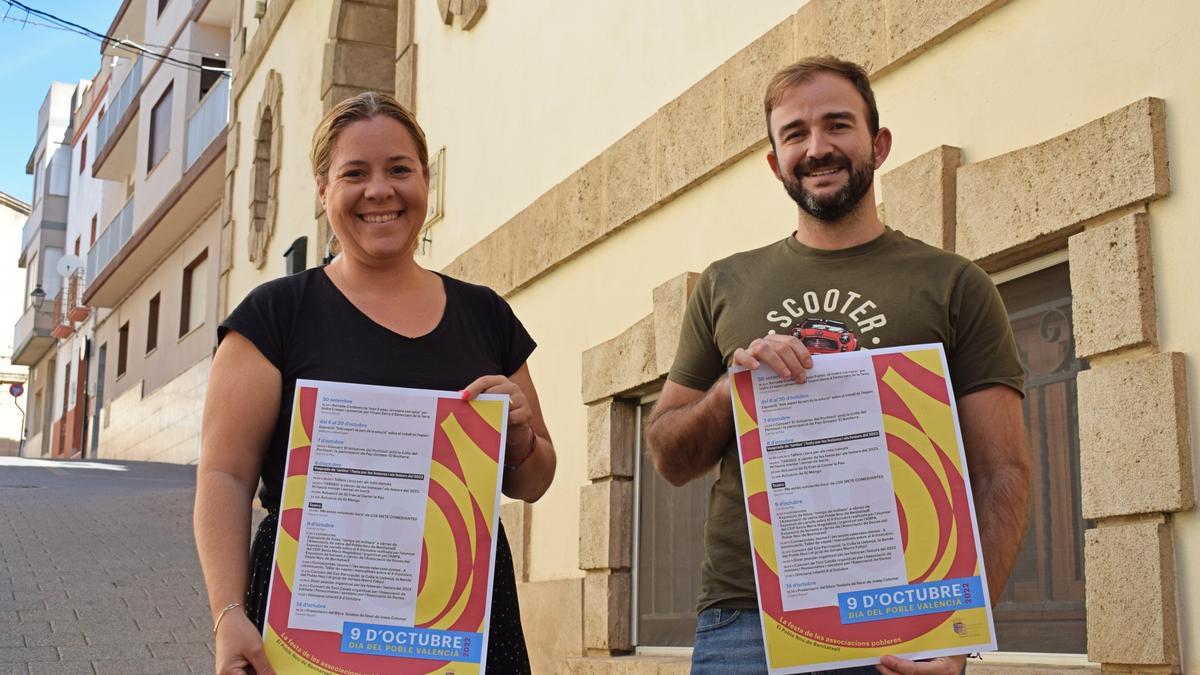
240,647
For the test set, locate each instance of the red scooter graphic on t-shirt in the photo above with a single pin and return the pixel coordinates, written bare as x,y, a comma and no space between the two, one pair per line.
825,336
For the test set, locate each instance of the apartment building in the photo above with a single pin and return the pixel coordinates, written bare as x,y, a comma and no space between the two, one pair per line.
13,214
160,139
591,158
120,318
43,242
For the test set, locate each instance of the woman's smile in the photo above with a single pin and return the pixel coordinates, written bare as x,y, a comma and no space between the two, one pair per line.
379,218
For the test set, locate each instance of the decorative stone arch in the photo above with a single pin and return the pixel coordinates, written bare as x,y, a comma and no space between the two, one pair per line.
264,169
360,55
469,10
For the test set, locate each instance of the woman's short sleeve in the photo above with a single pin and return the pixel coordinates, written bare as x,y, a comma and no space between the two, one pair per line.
264,318
515,342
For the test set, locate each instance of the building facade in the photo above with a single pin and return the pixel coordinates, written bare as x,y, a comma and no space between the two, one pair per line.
13,215
149,274
43,241
130,299
588,172
589,159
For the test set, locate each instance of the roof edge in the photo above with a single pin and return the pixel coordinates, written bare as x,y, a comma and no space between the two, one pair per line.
14,203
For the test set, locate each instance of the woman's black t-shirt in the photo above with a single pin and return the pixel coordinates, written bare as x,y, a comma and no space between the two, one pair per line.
308,329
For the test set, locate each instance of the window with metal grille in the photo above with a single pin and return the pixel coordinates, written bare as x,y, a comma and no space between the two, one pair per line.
1042,609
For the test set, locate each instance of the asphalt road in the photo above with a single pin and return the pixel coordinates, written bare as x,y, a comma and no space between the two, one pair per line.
98,569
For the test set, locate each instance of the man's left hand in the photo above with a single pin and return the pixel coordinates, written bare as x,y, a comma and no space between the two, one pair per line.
945,665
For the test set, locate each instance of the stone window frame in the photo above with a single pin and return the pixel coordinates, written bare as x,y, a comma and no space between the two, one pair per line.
1105,230
616,375
264,170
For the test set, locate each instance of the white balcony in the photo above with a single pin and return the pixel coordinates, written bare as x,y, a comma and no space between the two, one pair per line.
119,104
46,226
207,120
110,241
31,336
116,130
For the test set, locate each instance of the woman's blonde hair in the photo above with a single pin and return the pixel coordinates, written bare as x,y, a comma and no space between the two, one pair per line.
364,106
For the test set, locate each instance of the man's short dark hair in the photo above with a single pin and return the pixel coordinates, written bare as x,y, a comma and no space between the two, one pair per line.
803,70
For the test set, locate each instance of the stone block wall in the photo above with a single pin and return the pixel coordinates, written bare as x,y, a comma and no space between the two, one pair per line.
161,427
615,373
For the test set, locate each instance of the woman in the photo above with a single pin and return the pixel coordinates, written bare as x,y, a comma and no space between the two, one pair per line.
372,316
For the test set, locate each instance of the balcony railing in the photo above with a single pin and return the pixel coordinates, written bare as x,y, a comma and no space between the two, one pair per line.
207,120
119,105
32,223
35,323
62,328
76,310
110,241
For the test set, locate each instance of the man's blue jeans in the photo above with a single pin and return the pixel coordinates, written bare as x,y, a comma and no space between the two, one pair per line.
729,642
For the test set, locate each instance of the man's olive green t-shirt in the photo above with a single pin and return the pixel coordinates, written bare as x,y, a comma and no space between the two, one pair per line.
889,292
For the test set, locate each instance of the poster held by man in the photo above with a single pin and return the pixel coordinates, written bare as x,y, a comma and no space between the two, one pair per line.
861,517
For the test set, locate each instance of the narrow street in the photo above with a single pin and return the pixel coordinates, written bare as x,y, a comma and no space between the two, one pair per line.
98,569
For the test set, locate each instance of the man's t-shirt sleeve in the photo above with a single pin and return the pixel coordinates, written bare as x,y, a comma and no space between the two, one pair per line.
983,352
698,360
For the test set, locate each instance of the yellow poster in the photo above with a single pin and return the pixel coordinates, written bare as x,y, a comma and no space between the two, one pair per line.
861,518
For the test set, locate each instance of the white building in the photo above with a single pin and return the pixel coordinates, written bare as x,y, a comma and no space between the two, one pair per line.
121,344
13,213
42,246
148,275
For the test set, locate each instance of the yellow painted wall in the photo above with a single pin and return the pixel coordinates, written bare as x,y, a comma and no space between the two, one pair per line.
531,93
297,53
1033,70
539,87
598,295
1025,73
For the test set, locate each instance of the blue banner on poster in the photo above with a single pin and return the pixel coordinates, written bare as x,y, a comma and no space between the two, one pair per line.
931,597
413,643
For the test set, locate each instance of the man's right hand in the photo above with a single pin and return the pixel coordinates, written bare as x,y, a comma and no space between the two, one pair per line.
784,354
239,647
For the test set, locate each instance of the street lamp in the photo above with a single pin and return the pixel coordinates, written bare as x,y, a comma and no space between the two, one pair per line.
37,297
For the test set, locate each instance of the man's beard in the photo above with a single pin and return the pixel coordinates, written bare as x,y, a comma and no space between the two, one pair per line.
837,205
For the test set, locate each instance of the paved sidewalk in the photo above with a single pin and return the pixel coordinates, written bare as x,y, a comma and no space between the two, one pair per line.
98,570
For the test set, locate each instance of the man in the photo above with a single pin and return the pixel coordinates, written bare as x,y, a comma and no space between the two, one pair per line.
845,278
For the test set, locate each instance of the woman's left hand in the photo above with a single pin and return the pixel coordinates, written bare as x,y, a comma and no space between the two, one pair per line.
945,665
520,415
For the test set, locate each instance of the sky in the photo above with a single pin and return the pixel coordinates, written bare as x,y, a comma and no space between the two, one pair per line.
37,56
